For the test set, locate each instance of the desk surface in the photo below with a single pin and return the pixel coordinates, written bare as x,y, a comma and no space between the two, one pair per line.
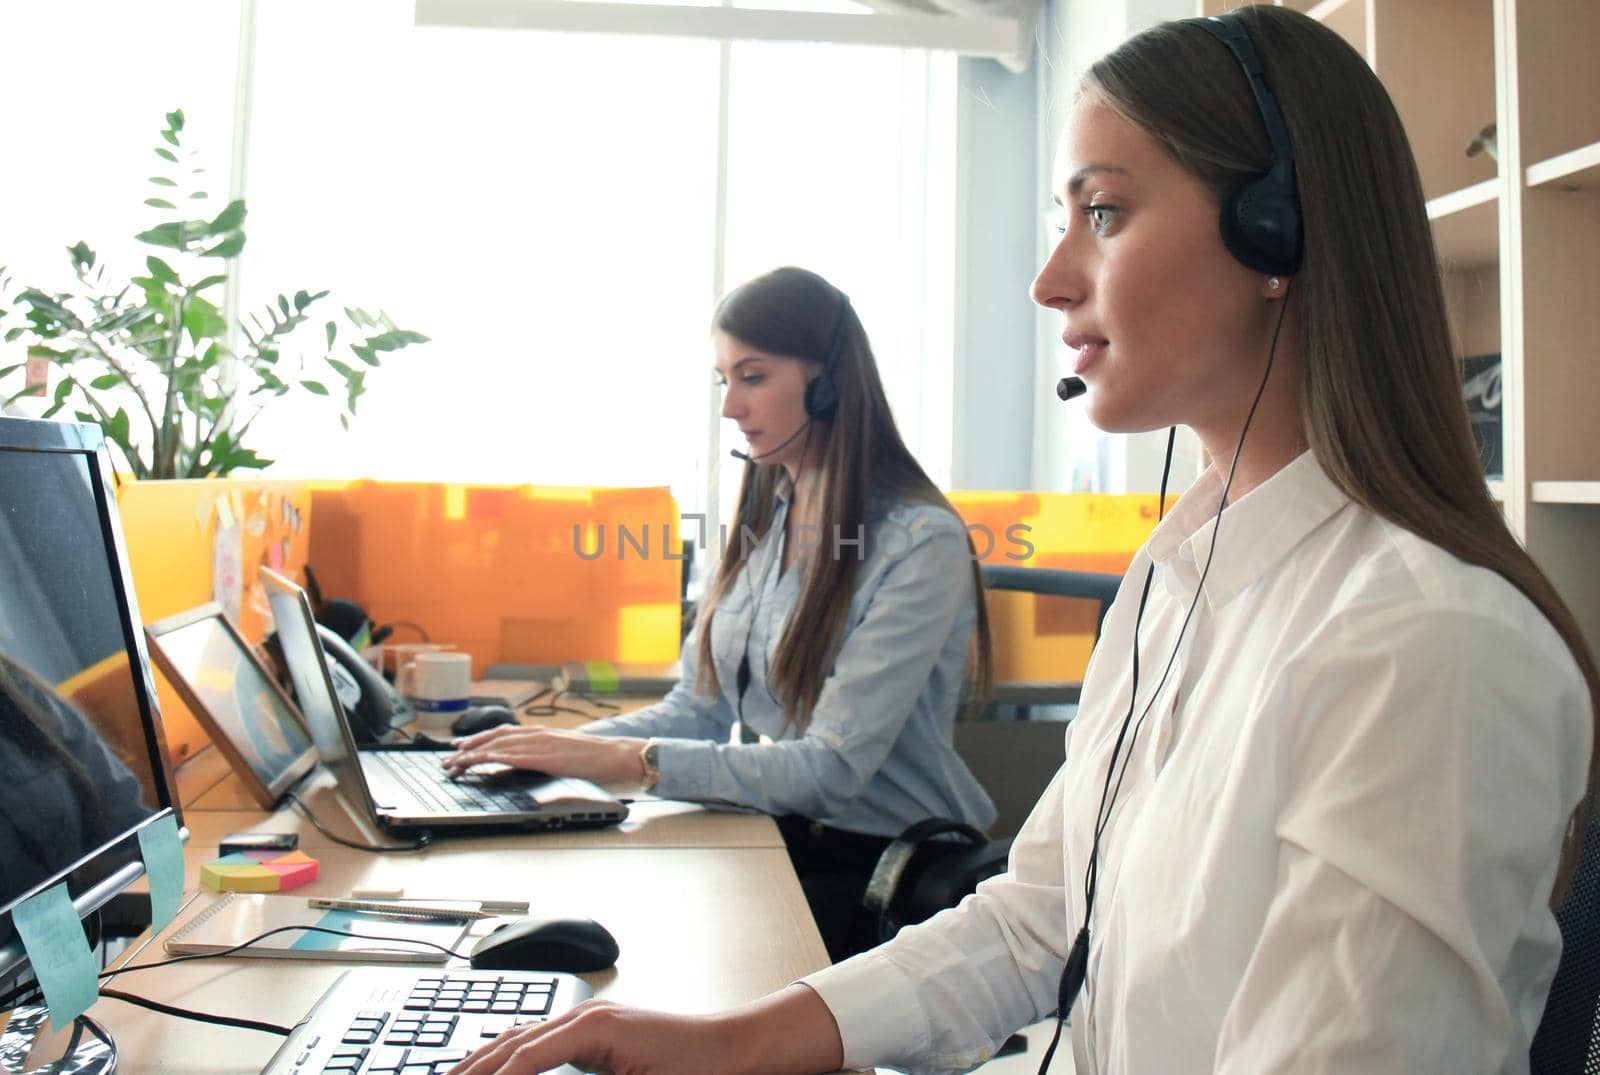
704,905
698,930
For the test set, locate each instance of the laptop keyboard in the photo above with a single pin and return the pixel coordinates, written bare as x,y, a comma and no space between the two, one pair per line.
380,1021
420,774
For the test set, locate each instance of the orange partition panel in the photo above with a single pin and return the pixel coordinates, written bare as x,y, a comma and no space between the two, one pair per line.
181,533
1048,639
527,574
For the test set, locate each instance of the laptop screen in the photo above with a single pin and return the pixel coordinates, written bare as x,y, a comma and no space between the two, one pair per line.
313,687
233,692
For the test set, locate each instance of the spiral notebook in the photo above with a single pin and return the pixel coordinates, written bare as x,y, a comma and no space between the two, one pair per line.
236,917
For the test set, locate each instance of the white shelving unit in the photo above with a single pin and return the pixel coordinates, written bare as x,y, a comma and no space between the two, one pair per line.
1518,241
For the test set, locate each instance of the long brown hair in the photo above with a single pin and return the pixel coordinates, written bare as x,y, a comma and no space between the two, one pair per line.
798,314
1380,388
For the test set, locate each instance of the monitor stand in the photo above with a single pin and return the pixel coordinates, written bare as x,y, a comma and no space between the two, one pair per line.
28,1045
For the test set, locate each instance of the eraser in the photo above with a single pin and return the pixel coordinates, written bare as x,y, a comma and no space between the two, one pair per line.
373,893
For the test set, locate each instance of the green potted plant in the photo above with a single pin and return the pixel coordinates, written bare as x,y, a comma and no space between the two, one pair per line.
148,359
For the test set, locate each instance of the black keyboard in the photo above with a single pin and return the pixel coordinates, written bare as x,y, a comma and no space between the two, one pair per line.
384,1021
419,772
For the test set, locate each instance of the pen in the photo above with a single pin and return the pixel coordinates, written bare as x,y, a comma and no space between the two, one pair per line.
399,910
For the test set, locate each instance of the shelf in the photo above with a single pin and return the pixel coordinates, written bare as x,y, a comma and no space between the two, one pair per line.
1566,492
1466,225
1578,170
1497,489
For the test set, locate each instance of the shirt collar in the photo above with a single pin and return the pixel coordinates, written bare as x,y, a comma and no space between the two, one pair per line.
1258,530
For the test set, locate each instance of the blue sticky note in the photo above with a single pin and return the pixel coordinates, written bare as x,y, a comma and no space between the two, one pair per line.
163,866
58,952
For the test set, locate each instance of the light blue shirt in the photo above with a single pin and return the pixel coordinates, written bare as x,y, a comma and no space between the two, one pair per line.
877,754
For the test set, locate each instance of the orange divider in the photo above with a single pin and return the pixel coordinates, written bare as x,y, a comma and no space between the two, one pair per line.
1048,639
172,531
527,574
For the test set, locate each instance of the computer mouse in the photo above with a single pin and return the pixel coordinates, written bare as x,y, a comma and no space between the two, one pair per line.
480,718
574,945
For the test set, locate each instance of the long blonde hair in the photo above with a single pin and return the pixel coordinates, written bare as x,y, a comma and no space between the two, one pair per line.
1380,389
798,314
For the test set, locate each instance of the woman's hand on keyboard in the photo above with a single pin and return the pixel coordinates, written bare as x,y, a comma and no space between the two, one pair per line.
550,750
790,1032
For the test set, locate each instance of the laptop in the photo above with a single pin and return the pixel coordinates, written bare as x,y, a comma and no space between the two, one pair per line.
402,788
249,718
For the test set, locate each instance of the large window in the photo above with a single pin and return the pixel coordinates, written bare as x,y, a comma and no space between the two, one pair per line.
545,207
88,84
555,210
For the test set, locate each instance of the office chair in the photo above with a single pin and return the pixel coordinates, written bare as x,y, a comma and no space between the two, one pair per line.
1565,1043
938,862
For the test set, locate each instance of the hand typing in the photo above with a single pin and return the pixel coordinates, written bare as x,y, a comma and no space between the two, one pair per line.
550,750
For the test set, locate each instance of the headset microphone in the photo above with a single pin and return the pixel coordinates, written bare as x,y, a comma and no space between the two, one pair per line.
743,457
1070,388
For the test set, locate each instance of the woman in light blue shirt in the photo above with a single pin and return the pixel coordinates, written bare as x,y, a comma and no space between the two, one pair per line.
840,631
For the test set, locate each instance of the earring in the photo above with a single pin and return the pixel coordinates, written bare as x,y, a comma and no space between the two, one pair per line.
1274,283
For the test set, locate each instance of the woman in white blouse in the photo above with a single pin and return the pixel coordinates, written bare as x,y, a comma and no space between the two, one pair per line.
1328,821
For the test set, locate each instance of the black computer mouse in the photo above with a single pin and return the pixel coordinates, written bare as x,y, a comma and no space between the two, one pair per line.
480,718
574,945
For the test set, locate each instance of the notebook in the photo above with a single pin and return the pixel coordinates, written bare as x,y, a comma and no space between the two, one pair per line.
235,917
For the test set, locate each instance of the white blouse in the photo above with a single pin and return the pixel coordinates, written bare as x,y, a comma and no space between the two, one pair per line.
1334,847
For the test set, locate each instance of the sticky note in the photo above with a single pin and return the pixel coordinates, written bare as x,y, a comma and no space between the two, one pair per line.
58,952
259,871
163,866
602,677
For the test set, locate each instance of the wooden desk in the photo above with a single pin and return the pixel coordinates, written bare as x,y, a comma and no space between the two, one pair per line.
698,929
704,905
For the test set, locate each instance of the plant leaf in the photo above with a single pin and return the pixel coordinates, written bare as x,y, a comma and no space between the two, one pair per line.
169,235
63,390
106,380
161,270
230,218
163,181
117,428
159,203
210,281
166,154
332,330
228,248
316,388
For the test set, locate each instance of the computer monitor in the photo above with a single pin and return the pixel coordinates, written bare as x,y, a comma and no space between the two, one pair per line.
83,761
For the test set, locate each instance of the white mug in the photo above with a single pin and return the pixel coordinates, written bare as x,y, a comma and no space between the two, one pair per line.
437,684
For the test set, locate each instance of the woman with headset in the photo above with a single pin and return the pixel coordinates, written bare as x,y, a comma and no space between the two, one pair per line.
838,628
1335,753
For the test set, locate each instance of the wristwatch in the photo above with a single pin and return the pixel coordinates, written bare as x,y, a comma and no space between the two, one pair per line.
649,761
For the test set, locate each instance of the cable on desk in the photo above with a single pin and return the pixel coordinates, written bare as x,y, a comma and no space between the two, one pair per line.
199,1017
423,839
535,708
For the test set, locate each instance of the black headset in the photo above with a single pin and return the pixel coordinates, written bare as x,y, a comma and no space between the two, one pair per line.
1261,229
822,393
1261,214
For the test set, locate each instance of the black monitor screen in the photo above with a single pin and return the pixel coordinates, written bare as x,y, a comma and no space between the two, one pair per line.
82,762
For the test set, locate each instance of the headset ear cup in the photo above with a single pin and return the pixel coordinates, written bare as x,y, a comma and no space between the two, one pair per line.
822,398
1261,227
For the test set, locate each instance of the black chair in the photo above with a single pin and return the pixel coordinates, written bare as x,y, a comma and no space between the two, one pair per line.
939,862
1566,1041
